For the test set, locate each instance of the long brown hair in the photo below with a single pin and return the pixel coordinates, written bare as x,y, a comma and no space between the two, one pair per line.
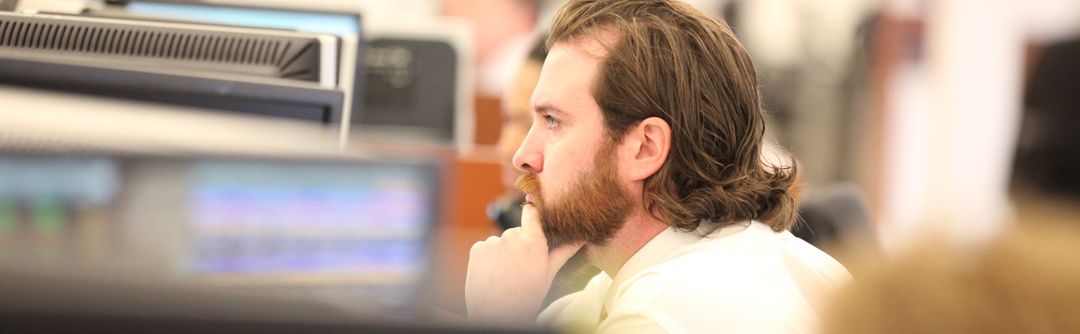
671,61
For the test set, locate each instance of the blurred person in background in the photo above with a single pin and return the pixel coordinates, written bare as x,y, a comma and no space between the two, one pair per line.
503,31
1026,280
645,155
517,117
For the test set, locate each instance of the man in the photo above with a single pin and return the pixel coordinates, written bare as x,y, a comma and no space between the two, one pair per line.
645,155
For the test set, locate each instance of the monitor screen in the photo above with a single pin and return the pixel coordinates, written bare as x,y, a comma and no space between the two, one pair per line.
325,22
353,233
344,24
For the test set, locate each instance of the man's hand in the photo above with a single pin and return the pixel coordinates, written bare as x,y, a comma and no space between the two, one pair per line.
509,276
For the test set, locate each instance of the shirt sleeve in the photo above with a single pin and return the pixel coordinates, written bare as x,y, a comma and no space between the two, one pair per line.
579,309
654,320
658,304
553,312
641,321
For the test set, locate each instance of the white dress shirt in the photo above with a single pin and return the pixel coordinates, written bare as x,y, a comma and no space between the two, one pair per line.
743,278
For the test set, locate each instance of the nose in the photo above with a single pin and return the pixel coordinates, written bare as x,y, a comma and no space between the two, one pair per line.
529,157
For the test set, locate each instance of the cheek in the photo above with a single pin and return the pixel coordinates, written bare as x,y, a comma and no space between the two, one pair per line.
563,167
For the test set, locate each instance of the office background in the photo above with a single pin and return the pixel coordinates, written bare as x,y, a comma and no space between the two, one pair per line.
372,138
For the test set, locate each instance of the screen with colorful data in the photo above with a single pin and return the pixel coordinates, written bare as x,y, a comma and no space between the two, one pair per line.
355,233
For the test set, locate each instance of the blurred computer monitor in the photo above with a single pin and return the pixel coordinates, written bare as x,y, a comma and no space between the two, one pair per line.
256,71
419,83
351,232
345,23
412,76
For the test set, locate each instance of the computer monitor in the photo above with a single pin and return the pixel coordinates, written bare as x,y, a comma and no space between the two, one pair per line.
352,232
412,76
267,72
345,23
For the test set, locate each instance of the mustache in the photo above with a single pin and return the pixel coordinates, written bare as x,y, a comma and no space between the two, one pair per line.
528,184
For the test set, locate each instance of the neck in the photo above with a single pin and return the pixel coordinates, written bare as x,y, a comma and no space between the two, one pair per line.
638,230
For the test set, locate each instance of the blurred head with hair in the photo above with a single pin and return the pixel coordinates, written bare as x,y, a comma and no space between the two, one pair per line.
1027,281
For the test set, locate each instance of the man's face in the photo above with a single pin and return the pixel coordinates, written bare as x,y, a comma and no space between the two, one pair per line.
593,209
567,150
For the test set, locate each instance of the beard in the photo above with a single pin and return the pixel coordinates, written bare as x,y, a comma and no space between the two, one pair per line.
592,210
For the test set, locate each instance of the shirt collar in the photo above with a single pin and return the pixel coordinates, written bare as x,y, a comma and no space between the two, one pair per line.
654,252
661,247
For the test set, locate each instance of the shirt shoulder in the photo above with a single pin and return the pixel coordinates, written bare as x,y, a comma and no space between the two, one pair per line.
754,281
665,302
581,308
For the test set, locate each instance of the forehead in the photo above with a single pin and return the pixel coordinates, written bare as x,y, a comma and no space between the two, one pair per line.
568,74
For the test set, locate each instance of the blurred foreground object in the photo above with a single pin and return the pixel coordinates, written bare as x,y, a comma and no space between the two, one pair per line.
352,232
39,302
1025,281
105,241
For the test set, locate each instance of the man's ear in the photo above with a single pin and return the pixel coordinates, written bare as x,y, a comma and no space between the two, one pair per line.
648,145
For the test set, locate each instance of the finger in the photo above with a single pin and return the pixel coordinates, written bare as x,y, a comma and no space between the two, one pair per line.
476,247
511,232
530,220
557,257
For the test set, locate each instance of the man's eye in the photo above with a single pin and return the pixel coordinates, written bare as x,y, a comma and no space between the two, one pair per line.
551,121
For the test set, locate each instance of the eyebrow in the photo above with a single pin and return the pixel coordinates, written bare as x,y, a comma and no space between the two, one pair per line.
547,108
